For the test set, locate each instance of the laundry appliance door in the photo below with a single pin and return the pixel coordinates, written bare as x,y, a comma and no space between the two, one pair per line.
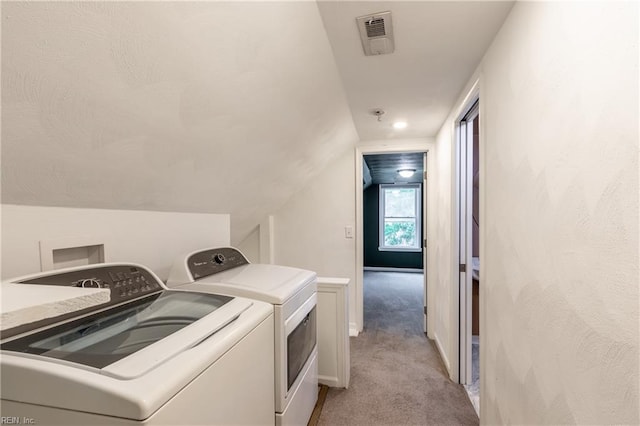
104,338
300,343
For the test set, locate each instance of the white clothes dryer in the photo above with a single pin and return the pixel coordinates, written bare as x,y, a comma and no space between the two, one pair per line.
292,292
147,356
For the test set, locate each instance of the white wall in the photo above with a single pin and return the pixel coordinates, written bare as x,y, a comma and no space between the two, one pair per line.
309,228
250,246
441,255
153,239
559,216
204,107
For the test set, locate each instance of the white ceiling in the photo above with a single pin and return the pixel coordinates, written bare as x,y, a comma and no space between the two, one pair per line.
438,45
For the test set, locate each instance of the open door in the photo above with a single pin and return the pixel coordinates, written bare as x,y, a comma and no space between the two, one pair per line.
465,227
424,235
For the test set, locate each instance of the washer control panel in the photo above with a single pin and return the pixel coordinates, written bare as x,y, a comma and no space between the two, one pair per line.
213,261
124,281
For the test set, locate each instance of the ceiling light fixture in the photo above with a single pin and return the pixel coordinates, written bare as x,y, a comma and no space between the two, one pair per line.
378,113
406,173
400,125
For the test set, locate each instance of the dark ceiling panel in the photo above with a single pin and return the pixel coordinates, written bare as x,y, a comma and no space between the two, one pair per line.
384,167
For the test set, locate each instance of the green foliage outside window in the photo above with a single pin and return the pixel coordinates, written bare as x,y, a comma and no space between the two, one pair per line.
399,233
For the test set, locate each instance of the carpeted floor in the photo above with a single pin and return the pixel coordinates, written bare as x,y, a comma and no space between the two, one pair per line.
397,376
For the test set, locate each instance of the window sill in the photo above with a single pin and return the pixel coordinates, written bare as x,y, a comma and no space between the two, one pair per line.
399,249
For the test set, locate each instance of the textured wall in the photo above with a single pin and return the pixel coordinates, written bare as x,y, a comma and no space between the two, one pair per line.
560,258
219,107
560,264
440,265
309,229
250,246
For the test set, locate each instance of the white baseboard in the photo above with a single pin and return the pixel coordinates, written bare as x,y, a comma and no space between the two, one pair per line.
388,269
353,330
443,355
332,382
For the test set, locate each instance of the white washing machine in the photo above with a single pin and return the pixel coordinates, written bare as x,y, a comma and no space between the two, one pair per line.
292,292
147,356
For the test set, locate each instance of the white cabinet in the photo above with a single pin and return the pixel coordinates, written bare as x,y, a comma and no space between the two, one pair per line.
333,332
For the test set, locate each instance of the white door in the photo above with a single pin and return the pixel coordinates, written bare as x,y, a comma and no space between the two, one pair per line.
465,202
424,236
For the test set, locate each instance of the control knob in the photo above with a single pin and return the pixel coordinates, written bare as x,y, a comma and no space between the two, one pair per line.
219,258
90,283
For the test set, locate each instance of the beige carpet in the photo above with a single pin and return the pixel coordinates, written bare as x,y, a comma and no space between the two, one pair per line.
397,376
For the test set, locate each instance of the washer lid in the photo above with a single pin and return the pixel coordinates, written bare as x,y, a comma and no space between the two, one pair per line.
127,341
270,283
77,387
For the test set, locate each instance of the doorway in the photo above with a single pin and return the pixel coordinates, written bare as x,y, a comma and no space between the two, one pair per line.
468,185
393,234
399,147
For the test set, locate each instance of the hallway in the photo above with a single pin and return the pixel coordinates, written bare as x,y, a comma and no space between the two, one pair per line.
141,131
397,376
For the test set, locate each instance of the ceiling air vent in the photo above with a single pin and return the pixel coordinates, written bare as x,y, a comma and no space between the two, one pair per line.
375,27
376,33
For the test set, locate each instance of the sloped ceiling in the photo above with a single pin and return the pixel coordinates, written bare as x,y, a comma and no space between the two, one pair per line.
215,107
221,107
438,45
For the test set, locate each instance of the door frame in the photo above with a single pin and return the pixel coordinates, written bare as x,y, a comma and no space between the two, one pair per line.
461,280
386,147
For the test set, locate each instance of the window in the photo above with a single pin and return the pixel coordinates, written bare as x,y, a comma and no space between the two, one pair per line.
400,217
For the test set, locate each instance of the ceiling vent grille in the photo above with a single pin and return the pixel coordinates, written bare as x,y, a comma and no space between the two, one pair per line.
376,33
375,27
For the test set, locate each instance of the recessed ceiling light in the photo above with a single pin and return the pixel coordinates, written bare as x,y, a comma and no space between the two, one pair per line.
400,125
406,173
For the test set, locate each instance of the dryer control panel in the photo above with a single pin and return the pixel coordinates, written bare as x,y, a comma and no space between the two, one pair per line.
213,261
124,281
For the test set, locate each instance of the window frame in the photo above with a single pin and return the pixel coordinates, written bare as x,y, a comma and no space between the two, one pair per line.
418,217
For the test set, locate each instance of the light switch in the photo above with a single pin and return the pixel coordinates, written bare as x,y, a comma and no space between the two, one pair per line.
348,231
